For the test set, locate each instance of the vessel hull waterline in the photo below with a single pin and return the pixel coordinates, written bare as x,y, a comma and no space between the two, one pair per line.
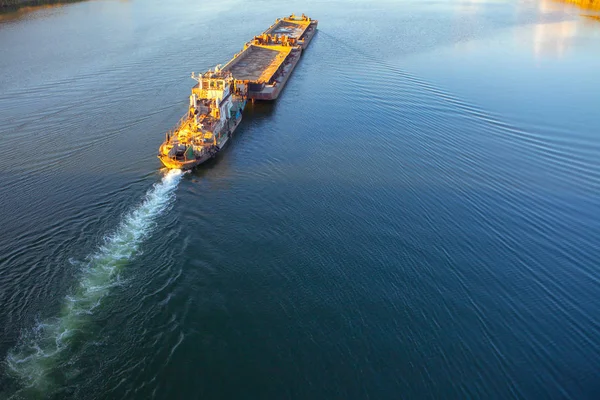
171,163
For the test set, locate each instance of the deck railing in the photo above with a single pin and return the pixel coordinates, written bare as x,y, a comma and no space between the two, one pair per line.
171,131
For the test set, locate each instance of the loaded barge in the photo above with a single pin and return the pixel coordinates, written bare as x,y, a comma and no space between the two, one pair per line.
263,67
258,72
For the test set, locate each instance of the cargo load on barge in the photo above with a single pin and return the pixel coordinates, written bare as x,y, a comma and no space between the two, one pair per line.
258,72
263,67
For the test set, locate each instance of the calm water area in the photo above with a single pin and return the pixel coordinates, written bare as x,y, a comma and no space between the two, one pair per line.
416,217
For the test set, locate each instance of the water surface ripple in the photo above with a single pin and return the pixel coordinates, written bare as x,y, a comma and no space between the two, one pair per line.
414,217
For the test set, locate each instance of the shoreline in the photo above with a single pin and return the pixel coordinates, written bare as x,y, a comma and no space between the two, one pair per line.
18,6
586,4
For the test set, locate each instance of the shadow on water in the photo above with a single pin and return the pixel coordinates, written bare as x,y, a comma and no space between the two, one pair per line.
254,114
260,109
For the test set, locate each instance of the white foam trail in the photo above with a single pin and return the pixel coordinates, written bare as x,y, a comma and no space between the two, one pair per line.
39,350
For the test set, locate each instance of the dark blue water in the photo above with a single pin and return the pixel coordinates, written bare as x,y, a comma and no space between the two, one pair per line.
417,216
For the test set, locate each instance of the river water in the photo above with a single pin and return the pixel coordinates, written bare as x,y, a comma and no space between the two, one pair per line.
417,216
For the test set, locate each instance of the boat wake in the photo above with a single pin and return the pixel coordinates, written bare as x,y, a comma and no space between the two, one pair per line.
43,349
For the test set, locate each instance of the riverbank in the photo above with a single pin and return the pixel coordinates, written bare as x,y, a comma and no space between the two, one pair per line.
10,6
588,4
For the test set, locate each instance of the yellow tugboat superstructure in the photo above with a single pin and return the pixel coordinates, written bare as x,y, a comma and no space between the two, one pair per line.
214,114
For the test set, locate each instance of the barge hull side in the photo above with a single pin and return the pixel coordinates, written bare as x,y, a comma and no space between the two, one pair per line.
273,94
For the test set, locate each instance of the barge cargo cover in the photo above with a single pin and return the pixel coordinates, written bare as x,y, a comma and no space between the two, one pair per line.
302,29
263,67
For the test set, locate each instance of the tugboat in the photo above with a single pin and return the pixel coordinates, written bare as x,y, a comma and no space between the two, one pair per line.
215,112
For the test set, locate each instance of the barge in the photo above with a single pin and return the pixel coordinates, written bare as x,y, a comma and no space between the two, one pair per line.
258,72
263,67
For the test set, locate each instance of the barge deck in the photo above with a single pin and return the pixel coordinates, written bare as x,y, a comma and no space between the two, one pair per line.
263,67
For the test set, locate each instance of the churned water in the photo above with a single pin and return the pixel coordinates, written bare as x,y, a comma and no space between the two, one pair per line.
417,216
39,352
